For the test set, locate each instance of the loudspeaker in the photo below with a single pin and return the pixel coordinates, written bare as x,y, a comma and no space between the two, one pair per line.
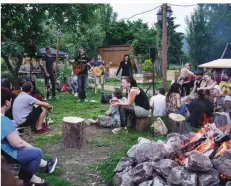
152,53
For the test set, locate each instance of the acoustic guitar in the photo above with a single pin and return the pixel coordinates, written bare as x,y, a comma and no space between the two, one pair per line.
77,68
97,71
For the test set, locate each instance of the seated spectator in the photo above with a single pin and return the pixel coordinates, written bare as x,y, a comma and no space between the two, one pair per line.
198,81
217,93
28,111
217,75
173,100
112,117
201,110
158,103
11,143
222,122
135,95
225,86
7,84
208,83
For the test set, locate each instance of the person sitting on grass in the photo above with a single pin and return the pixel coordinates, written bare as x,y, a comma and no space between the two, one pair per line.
158,103
112,117
11,143
28,111
173,100
135,95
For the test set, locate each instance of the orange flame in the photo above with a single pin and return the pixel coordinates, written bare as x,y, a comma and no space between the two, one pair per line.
225,146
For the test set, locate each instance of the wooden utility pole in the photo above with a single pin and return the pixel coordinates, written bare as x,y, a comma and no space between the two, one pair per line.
164,48
58,44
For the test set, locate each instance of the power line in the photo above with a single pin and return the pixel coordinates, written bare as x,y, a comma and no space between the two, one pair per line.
142,13
181,5
154,9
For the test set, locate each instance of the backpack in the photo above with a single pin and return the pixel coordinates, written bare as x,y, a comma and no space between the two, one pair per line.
159,127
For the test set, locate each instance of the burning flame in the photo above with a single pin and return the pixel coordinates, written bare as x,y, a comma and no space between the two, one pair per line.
225,146
222,176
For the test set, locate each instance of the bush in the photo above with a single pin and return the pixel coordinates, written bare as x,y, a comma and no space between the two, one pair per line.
147,66
3,65
64,72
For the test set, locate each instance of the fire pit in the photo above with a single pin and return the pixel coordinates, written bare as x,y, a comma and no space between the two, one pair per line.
195,159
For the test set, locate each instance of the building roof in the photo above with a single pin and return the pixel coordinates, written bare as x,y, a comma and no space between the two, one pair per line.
219,63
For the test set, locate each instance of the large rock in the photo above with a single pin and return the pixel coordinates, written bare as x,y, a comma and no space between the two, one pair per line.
223,163
181,176
210,178
124,162
147,183
174,143
158,181
123,179
228,183
142,172
164,166
146,151
198,162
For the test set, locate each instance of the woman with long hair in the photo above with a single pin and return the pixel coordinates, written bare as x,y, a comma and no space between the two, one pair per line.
173,100
135,95
126,67
82,76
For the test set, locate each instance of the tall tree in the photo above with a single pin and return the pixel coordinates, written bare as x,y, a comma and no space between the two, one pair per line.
198,37
174,41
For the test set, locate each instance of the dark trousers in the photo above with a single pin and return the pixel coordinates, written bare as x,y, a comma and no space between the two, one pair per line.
52,78
82,85
185,89
127,115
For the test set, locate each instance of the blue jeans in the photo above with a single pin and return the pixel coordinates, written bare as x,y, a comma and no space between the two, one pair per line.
74,84
182,110
30,157
82,85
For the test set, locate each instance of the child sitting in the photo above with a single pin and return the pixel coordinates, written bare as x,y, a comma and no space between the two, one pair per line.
112,116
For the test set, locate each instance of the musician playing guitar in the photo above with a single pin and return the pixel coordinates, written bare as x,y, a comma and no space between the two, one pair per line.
100,78
80,69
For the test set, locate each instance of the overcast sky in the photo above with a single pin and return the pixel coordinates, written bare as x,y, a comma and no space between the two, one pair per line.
127,10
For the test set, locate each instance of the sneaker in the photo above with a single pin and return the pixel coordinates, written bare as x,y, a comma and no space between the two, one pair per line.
51,164
42,183
76,94
120,129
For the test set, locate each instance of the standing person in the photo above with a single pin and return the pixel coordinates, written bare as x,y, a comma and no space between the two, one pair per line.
83,75
99,79
126,67
135,95
158,103
49,71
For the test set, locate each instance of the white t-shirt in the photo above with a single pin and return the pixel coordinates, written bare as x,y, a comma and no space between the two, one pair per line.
159,104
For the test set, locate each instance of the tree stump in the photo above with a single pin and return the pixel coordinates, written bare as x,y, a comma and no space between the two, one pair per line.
176,123
142,123
73,132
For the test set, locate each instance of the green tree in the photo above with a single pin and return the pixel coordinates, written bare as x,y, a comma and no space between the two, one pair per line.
198,37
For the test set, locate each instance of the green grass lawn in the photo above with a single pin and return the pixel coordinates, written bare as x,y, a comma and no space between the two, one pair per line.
67,105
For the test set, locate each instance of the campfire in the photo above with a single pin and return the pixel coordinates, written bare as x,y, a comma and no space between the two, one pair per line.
195,159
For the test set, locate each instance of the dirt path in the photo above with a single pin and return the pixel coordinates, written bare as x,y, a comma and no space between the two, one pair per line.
75,163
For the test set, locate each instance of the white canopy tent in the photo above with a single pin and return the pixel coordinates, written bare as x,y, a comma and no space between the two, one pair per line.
219,63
